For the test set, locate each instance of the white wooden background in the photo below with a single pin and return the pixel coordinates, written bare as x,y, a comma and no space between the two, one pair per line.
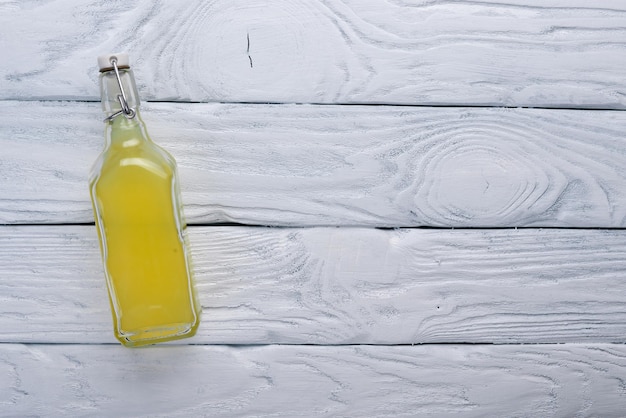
396,208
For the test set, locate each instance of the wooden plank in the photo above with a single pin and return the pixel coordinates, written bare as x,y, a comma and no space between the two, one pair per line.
335,165
338,285
290,381
555,53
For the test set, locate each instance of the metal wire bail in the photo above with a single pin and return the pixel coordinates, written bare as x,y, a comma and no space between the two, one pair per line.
127,111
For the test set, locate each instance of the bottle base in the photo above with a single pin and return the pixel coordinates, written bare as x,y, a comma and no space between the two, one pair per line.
150,336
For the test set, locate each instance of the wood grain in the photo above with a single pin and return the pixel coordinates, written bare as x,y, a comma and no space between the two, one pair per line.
335,165
293,381
322,321
338,286
554,53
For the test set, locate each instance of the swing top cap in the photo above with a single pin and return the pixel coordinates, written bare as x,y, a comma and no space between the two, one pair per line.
104,61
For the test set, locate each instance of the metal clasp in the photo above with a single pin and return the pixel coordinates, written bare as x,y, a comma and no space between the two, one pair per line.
127,111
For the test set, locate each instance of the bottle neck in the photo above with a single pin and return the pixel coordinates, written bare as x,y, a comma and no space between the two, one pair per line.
121,130
111,93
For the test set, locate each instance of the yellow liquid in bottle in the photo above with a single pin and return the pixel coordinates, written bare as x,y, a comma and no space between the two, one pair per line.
140,225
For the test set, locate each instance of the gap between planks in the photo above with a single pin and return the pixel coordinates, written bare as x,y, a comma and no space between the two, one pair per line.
321,104
382,228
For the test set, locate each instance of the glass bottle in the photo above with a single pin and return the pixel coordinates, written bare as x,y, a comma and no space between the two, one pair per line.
137,209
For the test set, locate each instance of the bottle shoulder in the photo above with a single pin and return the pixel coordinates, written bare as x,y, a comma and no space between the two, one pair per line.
146,160
129,153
